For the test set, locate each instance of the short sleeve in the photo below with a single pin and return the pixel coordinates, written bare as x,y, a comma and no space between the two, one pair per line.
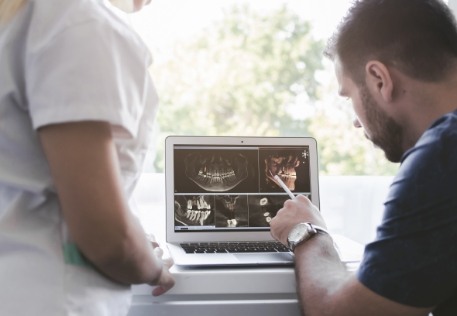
414,258
89,71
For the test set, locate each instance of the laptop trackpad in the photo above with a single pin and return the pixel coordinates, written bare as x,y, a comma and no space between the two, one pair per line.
262,258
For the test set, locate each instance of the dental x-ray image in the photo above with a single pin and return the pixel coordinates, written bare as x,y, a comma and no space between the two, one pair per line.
231,211
233,189
194,210
264,208
215,171
292,166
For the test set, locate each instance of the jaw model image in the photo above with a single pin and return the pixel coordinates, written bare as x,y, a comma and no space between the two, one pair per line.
216,172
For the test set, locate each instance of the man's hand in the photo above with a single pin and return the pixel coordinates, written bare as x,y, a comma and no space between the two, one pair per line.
298,210
324,285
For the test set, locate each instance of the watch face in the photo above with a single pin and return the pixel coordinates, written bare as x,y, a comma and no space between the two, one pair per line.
298,233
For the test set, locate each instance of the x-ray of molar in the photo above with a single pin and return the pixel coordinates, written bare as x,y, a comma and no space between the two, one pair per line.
262,209
231,211
195,210
216,171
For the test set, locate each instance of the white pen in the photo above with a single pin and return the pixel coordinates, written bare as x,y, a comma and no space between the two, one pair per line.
284,186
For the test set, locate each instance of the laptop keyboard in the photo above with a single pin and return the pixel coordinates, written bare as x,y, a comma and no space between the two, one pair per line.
234,247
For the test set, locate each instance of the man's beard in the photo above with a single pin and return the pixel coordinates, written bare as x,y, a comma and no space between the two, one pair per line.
385,132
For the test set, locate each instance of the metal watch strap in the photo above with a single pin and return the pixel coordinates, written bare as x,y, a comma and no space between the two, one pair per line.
319,229
315,230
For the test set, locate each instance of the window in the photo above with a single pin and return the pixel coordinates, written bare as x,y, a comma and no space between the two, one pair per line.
251,67
255,67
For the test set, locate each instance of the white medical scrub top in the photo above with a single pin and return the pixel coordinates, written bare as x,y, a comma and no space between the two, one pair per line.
63,61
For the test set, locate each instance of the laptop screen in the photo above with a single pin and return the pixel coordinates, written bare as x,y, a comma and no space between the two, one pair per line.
232,187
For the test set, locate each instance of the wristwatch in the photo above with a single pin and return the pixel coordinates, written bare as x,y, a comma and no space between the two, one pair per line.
301,233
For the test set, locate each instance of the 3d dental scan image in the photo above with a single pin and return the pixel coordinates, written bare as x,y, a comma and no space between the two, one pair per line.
292,166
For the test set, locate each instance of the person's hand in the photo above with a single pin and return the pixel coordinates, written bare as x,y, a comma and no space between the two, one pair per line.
297,210
152,239
165,281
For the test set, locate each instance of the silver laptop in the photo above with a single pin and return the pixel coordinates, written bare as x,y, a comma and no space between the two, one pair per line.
221,196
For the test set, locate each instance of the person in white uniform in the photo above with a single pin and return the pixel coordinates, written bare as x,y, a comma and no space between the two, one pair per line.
77,107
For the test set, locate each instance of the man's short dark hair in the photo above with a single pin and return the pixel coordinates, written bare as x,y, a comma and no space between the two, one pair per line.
418,37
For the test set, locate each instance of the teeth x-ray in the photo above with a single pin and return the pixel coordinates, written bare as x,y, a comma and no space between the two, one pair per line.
235,188
217,171
263,208
231,211
195,210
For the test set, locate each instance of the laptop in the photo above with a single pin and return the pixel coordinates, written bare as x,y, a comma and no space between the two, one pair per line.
221,196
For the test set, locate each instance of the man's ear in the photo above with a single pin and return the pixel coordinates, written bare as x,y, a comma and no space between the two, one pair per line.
379,80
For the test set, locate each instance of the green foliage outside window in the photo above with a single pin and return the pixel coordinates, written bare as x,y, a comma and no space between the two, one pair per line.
257,74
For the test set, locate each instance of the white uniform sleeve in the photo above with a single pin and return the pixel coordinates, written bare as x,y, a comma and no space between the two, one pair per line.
90,71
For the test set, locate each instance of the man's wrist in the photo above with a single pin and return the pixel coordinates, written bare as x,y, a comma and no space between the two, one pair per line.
302,232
